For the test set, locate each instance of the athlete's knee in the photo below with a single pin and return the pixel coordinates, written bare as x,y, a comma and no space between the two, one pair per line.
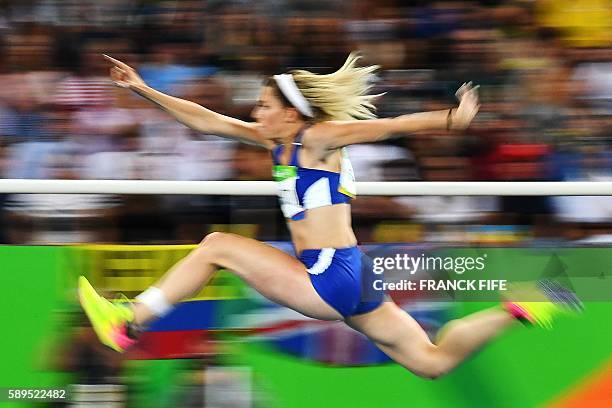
433,372
214,239
433,364
213,244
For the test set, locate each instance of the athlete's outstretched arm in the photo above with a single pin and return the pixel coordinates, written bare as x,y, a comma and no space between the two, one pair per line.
189,113
335,134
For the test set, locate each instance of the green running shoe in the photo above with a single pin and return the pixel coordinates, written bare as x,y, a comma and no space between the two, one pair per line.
109,319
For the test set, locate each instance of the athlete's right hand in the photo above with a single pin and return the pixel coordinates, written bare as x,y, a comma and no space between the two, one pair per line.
123,75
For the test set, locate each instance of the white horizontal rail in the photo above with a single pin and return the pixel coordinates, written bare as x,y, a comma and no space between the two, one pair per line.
264,188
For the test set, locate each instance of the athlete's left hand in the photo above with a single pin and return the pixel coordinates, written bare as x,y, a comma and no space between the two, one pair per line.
467,95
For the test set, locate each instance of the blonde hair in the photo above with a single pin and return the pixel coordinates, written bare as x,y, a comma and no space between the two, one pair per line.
341,95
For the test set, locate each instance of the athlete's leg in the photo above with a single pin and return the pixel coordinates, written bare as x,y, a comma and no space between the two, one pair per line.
402,339
276,275
273,273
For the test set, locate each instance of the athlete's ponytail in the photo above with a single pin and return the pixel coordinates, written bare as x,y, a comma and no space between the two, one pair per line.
341,95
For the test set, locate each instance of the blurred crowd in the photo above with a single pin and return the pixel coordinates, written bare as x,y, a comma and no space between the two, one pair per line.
544,66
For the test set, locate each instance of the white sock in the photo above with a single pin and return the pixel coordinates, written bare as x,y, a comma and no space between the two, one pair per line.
155,300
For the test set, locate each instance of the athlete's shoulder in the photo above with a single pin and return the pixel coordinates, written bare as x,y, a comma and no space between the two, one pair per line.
334,134
320,134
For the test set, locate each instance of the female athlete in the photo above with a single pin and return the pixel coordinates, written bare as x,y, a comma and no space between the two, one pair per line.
306,120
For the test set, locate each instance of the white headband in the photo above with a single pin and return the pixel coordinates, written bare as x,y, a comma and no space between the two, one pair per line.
290,90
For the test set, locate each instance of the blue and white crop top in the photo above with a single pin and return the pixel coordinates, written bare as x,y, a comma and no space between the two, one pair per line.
301,188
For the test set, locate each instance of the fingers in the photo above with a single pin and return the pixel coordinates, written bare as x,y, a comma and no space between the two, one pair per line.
122,74
462,89
471,95
467,89
117,62
117,74
118,71
469,105
119,77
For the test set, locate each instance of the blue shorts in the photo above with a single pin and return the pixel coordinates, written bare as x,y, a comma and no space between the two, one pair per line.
343,278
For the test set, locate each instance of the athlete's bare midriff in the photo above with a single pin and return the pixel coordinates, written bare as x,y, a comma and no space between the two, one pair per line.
323,227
